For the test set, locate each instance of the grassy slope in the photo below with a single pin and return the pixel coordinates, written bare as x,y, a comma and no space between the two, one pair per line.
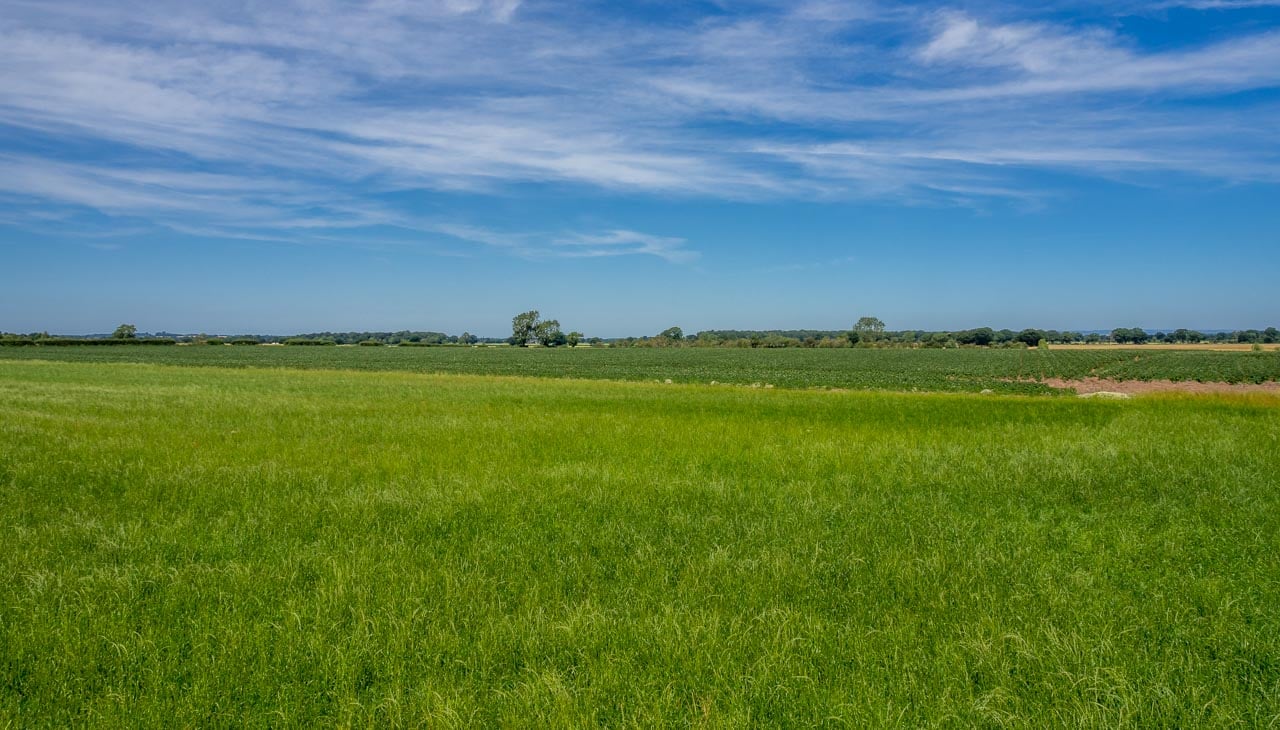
204,546
890,369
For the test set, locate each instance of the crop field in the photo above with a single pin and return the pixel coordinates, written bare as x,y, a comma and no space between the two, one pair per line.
965,370
289,545
1202,346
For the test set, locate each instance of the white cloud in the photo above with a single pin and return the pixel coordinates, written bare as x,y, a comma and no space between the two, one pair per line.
1221,4
1056,62
1034,48
625,243
287,119
609,243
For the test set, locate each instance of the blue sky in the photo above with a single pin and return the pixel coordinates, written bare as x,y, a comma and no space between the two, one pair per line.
308,165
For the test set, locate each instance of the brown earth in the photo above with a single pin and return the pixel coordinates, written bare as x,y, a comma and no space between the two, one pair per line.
1136,387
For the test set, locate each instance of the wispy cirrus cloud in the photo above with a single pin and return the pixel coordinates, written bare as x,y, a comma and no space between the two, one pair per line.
609,243
289,119
1052,61
245,208
624,243
1221,4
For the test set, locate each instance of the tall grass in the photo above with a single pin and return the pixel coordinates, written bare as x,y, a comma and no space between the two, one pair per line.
208,547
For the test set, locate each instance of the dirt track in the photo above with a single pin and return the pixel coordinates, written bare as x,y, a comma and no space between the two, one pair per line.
1136,387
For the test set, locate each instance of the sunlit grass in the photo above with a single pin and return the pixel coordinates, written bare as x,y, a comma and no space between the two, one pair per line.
201,546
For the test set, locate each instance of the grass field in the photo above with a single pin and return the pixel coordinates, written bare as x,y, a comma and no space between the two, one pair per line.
967,370
211,546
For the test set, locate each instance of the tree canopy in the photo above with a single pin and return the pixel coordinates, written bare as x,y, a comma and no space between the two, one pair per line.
529,326
549,334
868,326
522,327
672,333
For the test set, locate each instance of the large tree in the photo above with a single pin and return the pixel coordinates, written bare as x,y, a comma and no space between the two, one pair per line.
1030,337
868,328
529,326
125,332
548,333
982,336
523,326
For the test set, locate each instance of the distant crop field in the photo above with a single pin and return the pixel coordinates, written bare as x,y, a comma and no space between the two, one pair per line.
1203,346
197,547
964,370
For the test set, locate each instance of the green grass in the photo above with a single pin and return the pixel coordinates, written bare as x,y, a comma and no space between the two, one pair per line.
967,370
212,547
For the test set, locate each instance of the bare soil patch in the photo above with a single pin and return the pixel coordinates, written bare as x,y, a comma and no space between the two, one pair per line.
1084,386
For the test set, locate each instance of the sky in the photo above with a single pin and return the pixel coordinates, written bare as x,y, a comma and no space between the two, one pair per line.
306,165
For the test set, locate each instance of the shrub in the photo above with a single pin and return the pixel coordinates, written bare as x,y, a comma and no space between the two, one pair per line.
110,342
307,342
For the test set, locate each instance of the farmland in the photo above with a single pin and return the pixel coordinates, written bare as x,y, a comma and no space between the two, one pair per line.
966,370
1186,346
292,538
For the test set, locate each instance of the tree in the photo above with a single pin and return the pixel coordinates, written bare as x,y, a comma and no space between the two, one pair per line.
548,333
573,338
983,336
466,338
1030,337
523,326
1248,336
672,333
937,339
125,332
1129,335
868,329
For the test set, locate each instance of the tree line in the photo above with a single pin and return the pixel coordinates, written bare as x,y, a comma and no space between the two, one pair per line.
870,332
530,328
127,334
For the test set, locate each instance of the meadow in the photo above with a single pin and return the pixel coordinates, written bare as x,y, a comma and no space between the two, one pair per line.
963,370
272,545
